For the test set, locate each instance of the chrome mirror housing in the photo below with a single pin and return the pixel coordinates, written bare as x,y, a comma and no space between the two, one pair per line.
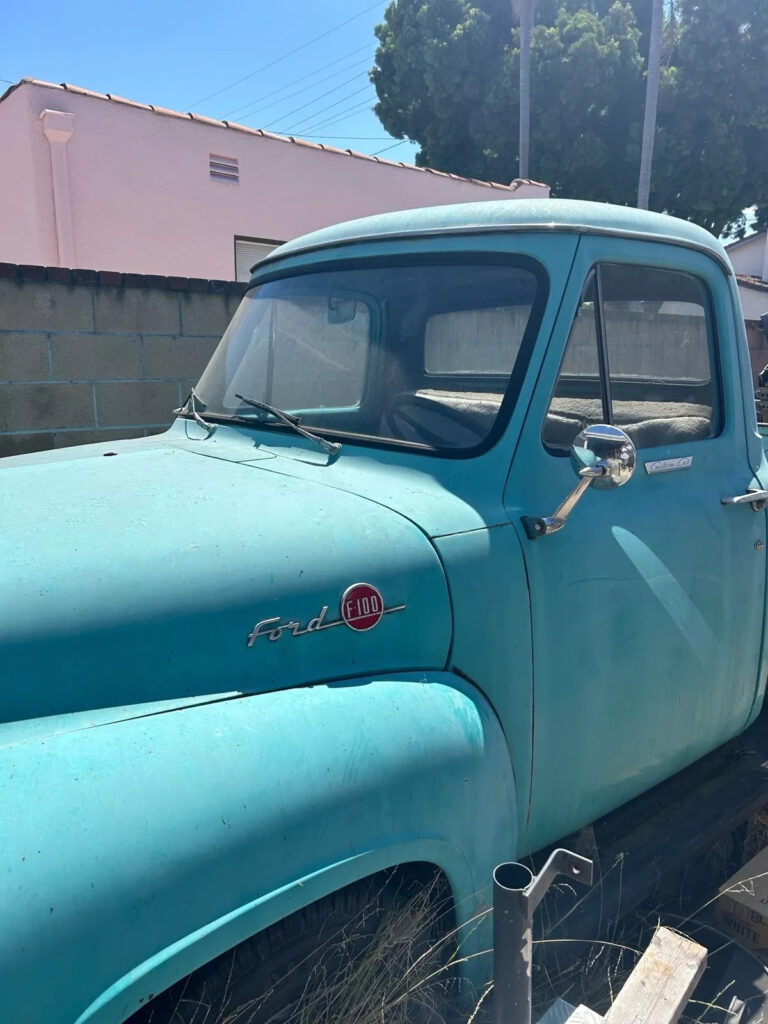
603,457
609,449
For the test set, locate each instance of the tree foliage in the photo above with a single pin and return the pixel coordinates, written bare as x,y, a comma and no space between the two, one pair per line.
447,76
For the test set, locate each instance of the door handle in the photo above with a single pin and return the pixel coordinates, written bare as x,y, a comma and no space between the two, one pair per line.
756,498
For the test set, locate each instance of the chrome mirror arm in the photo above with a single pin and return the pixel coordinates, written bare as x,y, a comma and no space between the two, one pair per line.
602,455
542,526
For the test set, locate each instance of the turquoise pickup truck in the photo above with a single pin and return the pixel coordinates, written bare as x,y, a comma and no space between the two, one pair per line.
458,544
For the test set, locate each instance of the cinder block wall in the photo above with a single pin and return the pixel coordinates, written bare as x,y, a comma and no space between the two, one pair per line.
95,356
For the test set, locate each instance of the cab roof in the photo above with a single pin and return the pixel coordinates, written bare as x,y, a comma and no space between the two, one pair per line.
569,215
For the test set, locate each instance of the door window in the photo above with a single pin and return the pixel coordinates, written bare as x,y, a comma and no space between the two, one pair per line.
643,344
577,400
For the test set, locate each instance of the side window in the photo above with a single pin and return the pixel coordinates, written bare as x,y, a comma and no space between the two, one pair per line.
577,400
654,332
659,351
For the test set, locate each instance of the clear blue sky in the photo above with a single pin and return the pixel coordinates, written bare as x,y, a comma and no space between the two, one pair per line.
227,61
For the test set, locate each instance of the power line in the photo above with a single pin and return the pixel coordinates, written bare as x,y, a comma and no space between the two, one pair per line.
339,116
290,53
303,78
311,118
319,99
387,148
356,138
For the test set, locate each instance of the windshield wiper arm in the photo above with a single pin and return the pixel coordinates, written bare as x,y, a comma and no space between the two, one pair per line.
293,422
190,409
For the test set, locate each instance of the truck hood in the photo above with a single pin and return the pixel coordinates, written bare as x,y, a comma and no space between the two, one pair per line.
159,575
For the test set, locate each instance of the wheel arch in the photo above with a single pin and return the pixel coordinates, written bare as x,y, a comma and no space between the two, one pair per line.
177,961
164,867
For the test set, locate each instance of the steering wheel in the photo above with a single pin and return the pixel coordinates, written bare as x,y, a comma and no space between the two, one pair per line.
404,411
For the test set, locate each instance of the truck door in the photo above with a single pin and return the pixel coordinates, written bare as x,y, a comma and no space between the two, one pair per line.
647,607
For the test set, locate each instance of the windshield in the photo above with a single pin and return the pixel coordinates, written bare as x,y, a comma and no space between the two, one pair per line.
400,354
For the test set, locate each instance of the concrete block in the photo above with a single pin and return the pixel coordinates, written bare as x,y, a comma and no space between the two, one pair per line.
24,356
136,403
46,406
233,302
21,444
96,356
70,438
204,313
171,358
136,310
756,337
40,306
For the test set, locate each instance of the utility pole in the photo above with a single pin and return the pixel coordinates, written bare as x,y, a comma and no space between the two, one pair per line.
524,9
651,104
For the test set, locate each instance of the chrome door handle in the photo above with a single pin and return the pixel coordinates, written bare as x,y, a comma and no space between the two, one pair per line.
754,497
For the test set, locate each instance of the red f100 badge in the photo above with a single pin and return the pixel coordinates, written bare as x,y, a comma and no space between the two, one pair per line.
361,606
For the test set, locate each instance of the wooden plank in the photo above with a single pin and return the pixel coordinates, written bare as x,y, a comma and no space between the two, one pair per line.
661,984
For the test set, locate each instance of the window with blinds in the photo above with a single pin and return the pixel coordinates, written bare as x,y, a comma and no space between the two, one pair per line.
249,251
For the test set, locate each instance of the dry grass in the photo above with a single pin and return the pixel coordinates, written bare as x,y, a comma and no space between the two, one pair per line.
396,965
400,977
399,965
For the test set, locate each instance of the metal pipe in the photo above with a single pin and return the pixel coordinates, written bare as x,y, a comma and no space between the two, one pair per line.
516,894
512,948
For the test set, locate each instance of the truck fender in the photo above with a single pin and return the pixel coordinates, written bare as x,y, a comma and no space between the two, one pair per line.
155,844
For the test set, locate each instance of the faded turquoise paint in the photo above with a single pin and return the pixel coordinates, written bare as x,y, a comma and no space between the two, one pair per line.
492,635
186,824
656,592
551,214
148,588
169,791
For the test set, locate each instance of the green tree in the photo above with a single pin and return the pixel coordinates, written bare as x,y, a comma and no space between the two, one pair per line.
712,145
447,76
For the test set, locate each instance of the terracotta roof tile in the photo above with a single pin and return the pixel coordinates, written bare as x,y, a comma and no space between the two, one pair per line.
167,113
205,120
752,282
121,99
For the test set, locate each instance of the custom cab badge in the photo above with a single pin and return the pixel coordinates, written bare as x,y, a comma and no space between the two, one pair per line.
361,608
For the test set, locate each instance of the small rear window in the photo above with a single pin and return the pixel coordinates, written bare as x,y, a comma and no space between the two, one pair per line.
476,341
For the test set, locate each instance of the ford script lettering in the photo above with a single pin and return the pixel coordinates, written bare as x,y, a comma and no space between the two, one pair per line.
361,607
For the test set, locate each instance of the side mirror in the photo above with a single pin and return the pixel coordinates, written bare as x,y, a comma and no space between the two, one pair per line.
602,456
608,449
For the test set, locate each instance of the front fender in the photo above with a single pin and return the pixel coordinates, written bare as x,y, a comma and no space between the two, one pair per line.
139,850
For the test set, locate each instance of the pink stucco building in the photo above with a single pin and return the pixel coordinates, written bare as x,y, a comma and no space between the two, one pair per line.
100,182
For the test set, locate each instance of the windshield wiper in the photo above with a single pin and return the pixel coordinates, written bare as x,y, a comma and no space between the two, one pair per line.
293,422
190,409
